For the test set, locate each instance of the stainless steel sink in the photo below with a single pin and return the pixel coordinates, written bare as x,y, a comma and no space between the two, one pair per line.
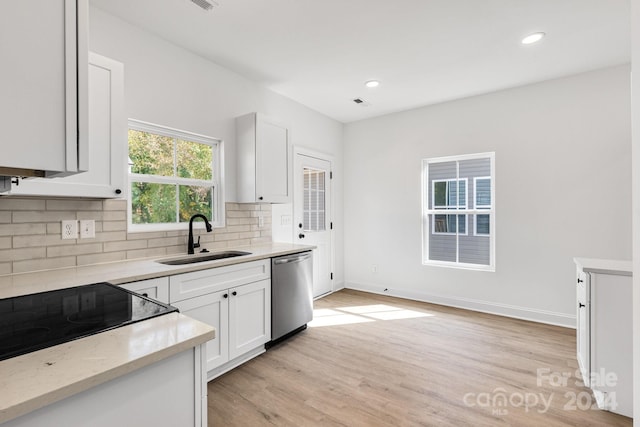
191,259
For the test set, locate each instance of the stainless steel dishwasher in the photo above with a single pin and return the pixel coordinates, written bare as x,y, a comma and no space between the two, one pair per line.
291,295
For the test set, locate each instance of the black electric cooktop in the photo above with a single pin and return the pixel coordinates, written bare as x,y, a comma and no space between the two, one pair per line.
33,322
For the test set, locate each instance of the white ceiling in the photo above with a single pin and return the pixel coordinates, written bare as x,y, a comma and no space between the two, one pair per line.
320,53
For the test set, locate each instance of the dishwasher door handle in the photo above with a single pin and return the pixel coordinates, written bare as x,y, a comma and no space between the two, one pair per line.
298,258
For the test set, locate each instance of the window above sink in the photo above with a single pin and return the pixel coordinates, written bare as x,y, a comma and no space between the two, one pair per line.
172,175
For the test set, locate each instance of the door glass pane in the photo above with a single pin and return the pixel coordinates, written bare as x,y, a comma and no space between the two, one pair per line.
314,205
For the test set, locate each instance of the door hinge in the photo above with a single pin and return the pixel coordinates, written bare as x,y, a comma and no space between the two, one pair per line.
331,276
330,174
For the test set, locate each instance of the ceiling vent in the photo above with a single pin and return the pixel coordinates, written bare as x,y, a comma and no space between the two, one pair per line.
205,4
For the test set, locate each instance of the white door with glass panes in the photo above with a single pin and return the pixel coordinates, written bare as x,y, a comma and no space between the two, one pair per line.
312,216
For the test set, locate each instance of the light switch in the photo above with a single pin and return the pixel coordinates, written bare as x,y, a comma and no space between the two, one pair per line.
87,229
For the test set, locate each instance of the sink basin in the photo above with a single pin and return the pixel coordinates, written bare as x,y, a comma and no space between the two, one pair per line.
191,259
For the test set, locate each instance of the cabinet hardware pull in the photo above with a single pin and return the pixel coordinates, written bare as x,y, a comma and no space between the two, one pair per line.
580,305
118,191
234,293
145,295
580,280
260,198
301,236
225,296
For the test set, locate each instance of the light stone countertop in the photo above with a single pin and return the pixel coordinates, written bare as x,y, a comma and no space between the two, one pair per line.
605,266
39,378
121,272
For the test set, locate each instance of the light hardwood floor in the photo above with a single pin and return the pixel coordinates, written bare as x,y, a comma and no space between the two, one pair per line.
372,360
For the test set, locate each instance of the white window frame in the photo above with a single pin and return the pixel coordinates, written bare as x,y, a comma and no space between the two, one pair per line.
426,212
477,206
448,210
217,179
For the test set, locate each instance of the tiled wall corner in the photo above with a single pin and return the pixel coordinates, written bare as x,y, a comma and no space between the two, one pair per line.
30,233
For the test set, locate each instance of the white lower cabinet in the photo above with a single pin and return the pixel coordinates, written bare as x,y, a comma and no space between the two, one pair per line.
157,289
171,392
603,333
212,309
249,317
236,300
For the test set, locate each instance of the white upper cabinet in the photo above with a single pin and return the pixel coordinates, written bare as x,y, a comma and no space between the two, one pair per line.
107,141
263,160
43,82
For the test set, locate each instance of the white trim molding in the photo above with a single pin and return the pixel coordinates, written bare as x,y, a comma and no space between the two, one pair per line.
506,310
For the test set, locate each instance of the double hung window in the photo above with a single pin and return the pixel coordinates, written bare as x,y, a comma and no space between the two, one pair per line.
458,211
173,174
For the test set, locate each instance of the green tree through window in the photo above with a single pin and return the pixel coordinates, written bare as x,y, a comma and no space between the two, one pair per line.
172,176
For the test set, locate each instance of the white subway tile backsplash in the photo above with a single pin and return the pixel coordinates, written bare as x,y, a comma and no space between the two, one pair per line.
39,217
5,217
43,264
79,249
114,225
5,268
5,242
22,254
22,229
30,233
11,204
101,258
73,205
125,245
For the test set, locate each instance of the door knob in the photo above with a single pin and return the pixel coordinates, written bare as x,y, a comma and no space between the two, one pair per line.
301,236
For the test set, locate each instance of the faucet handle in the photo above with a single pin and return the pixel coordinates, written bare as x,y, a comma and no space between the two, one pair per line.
197,245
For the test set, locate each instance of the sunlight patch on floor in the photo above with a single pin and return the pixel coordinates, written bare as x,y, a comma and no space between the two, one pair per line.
361,314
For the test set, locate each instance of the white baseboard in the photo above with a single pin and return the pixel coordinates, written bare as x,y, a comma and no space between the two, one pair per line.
540,316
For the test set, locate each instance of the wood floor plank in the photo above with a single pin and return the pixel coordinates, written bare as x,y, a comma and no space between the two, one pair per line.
383,361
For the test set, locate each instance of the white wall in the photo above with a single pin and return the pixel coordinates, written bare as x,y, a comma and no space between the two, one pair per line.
563,189
168,85
635,122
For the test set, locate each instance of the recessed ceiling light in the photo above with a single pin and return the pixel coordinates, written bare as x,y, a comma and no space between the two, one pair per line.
532,38
372,83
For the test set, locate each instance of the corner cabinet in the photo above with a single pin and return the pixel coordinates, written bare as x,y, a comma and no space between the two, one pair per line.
106,173
264,166
157,289
236,301
604,332
44,87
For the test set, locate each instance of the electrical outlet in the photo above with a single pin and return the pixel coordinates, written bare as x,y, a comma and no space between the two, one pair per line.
87,229
374,268
260,221
70,229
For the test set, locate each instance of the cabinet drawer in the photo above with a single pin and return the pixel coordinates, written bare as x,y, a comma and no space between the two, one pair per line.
190,285
157,289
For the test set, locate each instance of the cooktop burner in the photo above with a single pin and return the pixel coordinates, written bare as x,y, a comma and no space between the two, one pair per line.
33,322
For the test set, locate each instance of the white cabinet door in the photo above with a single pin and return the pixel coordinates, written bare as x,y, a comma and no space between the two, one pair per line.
583,327
212,309
263,160
157,289
43,45
249,317
105,177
